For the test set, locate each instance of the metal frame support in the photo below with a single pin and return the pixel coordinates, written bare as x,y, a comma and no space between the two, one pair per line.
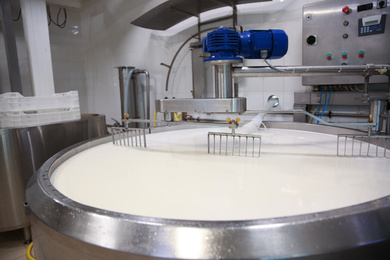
10,46
36,34
366,82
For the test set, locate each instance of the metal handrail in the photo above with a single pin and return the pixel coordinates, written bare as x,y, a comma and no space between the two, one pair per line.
265,71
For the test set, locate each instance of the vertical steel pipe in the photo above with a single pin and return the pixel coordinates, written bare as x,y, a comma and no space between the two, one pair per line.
223,80
121,87
376,108
147,90
122,73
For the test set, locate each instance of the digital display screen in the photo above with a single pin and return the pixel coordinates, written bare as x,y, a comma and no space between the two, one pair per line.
371,22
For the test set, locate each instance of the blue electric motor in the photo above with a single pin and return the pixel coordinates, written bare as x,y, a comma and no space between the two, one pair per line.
226,44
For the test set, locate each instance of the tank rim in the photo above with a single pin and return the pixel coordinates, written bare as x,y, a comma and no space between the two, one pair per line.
329,231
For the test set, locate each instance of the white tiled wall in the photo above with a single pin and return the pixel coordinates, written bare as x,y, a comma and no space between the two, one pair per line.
67,56
99,37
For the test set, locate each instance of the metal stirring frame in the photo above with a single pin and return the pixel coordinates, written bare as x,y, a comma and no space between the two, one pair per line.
365,143
127,136
235,140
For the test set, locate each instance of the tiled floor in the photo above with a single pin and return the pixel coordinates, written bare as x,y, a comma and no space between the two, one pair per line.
12,245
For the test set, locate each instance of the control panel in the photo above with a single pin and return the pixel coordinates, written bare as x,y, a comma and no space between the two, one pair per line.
373,24
345,32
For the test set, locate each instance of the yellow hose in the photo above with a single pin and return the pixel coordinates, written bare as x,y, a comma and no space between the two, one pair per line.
174,114
177,116
28,252
154,118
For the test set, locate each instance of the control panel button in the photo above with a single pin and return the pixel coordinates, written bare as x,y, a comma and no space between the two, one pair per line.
361,54
344,55
381,4
329,56
312,40
346,9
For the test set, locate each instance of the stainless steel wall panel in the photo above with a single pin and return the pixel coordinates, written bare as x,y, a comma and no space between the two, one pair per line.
24,150
327,30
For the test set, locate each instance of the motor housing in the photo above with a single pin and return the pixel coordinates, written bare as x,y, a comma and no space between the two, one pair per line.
226,44
222,44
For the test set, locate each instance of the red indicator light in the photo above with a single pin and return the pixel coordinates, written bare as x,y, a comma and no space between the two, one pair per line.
346,9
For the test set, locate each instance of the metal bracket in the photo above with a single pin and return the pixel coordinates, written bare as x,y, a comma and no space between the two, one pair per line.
212,105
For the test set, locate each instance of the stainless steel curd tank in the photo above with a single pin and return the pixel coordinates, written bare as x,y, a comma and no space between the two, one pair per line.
65,229
23,150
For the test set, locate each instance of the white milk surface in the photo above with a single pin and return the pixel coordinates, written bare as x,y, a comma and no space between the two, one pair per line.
298,172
